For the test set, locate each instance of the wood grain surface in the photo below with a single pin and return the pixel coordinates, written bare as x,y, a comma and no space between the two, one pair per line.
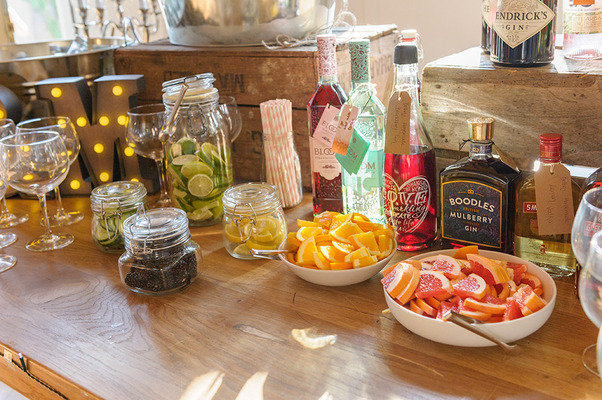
67,312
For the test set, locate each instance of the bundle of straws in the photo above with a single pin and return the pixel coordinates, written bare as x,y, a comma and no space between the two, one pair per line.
282,168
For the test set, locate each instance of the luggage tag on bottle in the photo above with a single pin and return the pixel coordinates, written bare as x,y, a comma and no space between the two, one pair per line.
554,199
327,126
397,126
358,147
347,119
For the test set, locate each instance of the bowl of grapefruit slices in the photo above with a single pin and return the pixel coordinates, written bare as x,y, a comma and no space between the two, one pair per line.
509,297
338,249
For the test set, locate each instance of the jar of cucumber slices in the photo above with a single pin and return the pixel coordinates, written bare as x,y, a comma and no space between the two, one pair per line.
199,160
111,204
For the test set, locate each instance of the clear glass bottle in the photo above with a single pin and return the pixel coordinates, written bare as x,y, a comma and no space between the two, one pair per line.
582,25
523,32
364,192
111,204
253,219
199,160
325,169
551,252
410,188
478,194
160,256
485,27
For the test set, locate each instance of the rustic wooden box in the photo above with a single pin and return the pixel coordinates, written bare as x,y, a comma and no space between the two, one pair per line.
564,97
256,74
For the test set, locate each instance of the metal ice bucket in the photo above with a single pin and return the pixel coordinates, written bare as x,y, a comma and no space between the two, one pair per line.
228,22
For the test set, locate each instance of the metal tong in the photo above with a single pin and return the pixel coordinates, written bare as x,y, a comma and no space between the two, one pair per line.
471,324
269,254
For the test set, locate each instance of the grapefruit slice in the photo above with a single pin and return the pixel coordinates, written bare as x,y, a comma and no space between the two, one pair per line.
471,286
463,251
414,307
518,271
448,265
432,283
425,307
453,304
512,310
531,280
466,268
401,282
492,271
527,300
489,305
479,315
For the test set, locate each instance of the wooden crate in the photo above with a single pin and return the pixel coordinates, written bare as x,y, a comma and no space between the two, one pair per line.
256,74
564,97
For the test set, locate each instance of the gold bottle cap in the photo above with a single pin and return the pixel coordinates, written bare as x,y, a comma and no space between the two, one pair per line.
481,128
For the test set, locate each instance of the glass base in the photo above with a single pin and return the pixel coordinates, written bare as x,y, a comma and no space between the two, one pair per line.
589,359
7,262
10,220
6,239
162,202
63,219
53,242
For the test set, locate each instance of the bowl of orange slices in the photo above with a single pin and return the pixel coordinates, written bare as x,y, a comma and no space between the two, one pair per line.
507,296
337,249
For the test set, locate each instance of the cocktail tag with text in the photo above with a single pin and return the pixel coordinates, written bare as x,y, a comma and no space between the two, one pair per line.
554,199
327,126
397,127
358,147
347,119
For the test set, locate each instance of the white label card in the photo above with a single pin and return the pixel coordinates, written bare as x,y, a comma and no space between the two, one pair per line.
327,126
347,119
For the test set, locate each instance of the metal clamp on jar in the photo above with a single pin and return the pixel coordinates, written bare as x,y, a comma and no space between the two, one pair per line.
160,256
111,204
253,219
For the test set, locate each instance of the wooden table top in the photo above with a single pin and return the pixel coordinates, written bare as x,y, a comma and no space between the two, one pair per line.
87,336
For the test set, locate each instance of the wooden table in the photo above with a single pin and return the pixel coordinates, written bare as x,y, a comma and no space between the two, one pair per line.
82,332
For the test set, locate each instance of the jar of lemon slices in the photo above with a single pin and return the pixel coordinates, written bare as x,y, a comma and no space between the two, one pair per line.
253,219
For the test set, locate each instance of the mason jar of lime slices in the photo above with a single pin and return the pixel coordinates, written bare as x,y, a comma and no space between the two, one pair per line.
199,160
111,204
253,219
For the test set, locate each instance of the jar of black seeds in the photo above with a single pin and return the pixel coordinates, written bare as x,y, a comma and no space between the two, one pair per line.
160,256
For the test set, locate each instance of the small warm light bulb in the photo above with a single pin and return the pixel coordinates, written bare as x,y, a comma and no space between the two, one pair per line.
63,170
104,120
81,122
128,151
56,92
25,149
2,114
28,177
99,148
62,122
69,152
117,90
75,184
122,120
135,180
104,176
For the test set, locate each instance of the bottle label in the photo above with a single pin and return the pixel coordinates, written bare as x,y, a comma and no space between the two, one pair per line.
530,207
472,213
323,160
347,119
407,206
327,55
485,12
553,194
518,20
583,21
327,126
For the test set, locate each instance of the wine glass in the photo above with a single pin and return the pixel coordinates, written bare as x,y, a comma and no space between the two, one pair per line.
37,162
229,110
590,295
142,135
65,128
6,239
8,219
588,220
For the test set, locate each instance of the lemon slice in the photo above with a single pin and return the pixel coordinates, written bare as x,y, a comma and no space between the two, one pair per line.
242,250
232,234
200,185
185,159
196,167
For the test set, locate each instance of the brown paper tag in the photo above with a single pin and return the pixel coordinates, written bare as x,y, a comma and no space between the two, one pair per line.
397,127
347,119
554,198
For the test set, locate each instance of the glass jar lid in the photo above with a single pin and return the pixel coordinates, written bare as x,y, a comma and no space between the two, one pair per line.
158,229
115,196
247,199
199,90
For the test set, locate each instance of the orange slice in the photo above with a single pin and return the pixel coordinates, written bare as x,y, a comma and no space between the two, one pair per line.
339,220
359,217
307,231
463,251
331,253
341,265
306,250
385,231
325,218
357,254
345,248
303,223
323,238
364,261
321,261
292,240
344,231
367,226
365,239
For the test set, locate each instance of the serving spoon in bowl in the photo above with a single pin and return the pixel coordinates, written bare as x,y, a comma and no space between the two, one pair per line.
471,324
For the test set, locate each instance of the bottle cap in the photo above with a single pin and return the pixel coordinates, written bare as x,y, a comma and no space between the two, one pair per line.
327,55
408,34
481,128
359,51
550,147
405,53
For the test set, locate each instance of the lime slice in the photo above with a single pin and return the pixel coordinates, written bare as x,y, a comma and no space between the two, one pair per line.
185,159
200,185
198,204
194,168
175,175
179,193
200,215
175,150
216,158
188,146
207,149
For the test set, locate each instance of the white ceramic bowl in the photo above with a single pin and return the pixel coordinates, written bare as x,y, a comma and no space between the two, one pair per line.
338,277
508,331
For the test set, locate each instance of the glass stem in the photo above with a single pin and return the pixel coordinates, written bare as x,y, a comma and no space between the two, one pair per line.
162,178
47,232
3,209
60,211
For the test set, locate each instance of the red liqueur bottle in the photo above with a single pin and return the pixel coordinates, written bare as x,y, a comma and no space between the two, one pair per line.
325,169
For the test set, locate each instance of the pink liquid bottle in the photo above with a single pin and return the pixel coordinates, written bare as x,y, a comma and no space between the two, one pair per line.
325,168
410,198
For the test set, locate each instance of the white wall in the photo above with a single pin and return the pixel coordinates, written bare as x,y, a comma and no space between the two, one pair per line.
446,26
